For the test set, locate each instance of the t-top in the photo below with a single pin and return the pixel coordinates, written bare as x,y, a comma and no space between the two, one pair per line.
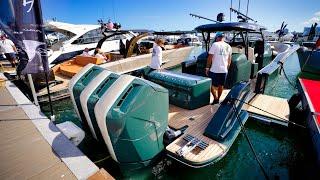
221,51
6,46
156,60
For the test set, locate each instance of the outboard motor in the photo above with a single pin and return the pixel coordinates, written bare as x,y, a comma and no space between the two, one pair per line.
78,83
90,96
132,116
226,116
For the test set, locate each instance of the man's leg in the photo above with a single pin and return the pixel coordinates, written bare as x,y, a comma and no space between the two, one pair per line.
214,92
10,59
220,90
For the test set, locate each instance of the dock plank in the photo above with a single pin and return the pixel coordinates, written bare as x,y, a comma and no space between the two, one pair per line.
273,105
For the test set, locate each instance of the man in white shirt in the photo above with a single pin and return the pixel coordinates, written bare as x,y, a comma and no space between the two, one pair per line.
9,49
218,63
156,60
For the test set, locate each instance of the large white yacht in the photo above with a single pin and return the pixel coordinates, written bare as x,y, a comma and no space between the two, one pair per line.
75,38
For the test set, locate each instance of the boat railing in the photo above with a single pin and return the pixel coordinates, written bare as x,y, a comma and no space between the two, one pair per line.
272,69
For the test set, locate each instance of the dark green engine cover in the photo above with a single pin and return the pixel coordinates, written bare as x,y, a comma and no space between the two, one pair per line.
239,70
93,99
137,121
185,90
80,85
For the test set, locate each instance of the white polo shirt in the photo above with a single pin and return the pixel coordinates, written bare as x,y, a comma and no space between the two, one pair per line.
6,46
156,60
221,51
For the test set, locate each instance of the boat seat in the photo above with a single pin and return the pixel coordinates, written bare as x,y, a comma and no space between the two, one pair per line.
84,60
70,69
251,56
185,90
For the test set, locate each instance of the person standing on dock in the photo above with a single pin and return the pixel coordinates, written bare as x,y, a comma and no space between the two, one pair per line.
9,49
156,60
218,62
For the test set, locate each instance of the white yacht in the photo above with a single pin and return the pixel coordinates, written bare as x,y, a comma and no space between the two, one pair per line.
78,37
191,39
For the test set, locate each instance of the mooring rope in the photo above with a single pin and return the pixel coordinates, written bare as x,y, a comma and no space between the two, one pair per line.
243,130
299,125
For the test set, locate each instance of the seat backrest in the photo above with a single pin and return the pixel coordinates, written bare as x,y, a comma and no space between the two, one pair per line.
237,50
84,60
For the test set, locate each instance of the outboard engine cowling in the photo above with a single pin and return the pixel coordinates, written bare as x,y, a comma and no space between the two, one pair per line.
90,96
78,83
132,117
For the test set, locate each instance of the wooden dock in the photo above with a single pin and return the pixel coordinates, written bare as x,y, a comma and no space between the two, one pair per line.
265,108
269,109
32,147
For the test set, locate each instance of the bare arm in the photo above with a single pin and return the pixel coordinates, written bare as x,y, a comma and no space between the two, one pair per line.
14,48
229,61
209,63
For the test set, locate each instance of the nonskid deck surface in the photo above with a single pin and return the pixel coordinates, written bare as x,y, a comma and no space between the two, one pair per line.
196,120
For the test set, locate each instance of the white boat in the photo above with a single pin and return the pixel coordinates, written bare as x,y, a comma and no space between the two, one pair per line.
78,37
190,39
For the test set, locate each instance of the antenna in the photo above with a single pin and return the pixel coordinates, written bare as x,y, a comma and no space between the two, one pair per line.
242,17
201,17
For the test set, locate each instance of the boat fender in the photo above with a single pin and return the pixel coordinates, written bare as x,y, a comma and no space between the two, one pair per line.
294,101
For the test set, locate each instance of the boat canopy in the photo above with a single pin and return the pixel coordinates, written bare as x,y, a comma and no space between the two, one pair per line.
231,26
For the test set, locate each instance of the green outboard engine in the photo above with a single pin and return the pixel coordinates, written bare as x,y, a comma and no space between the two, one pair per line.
185,90
90,96
78,83
132,116
226,116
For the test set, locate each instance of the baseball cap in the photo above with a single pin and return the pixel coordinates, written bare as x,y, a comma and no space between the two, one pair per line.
219,34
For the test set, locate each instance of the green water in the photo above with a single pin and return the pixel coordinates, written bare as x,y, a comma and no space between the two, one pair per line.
284,152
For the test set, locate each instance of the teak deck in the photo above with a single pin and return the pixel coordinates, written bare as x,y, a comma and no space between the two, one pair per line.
197,120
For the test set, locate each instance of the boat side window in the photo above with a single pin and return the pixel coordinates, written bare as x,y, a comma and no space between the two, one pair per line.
92,36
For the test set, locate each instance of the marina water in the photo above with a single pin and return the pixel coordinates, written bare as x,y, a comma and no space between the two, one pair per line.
284,152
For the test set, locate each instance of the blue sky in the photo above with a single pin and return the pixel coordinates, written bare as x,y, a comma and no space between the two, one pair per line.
174,14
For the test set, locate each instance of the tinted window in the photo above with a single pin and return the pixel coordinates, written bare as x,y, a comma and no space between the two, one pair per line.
92,36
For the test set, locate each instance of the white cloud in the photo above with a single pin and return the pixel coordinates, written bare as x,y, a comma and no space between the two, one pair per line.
314,19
